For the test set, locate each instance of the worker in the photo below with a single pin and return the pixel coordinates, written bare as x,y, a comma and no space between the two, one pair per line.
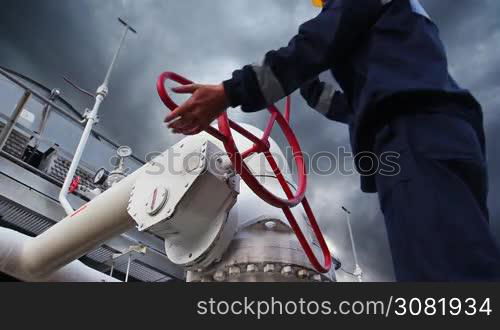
397,96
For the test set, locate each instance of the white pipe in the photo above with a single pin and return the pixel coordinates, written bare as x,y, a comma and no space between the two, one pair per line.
11,250
51,256
93,224
92,118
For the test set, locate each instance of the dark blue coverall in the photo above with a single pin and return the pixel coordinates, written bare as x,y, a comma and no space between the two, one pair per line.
397,97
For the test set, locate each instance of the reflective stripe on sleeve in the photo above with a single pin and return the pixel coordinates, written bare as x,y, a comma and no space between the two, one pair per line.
325,100
269,85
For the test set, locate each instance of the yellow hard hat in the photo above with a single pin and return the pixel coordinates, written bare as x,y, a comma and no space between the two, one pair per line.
317,3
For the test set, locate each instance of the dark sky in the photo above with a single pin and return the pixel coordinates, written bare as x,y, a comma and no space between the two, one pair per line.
206,41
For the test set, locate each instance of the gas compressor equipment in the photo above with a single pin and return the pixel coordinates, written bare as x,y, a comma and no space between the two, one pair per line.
262,146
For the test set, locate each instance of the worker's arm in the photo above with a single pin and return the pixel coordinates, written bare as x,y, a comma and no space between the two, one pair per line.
326,100
321,43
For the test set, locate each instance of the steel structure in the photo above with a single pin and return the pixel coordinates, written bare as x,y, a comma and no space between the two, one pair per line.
29,194
185,212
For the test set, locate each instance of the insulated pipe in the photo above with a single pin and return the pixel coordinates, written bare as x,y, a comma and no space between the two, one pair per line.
11,248
76,235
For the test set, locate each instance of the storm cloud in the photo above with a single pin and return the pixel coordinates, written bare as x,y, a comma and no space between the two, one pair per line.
206,41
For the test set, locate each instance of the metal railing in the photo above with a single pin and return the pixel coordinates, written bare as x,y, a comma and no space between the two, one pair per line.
71,116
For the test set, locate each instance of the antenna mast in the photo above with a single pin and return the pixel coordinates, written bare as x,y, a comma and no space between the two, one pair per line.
358,272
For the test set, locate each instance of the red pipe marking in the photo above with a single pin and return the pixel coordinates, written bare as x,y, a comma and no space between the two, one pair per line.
80,210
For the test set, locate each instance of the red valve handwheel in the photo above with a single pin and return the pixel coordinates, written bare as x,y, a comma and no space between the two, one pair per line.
75,184
262,145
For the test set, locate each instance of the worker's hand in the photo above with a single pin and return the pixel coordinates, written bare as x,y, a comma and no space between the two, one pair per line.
205,105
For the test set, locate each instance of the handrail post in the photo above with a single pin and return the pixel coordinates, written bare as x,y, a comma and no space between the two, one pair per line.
9,126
